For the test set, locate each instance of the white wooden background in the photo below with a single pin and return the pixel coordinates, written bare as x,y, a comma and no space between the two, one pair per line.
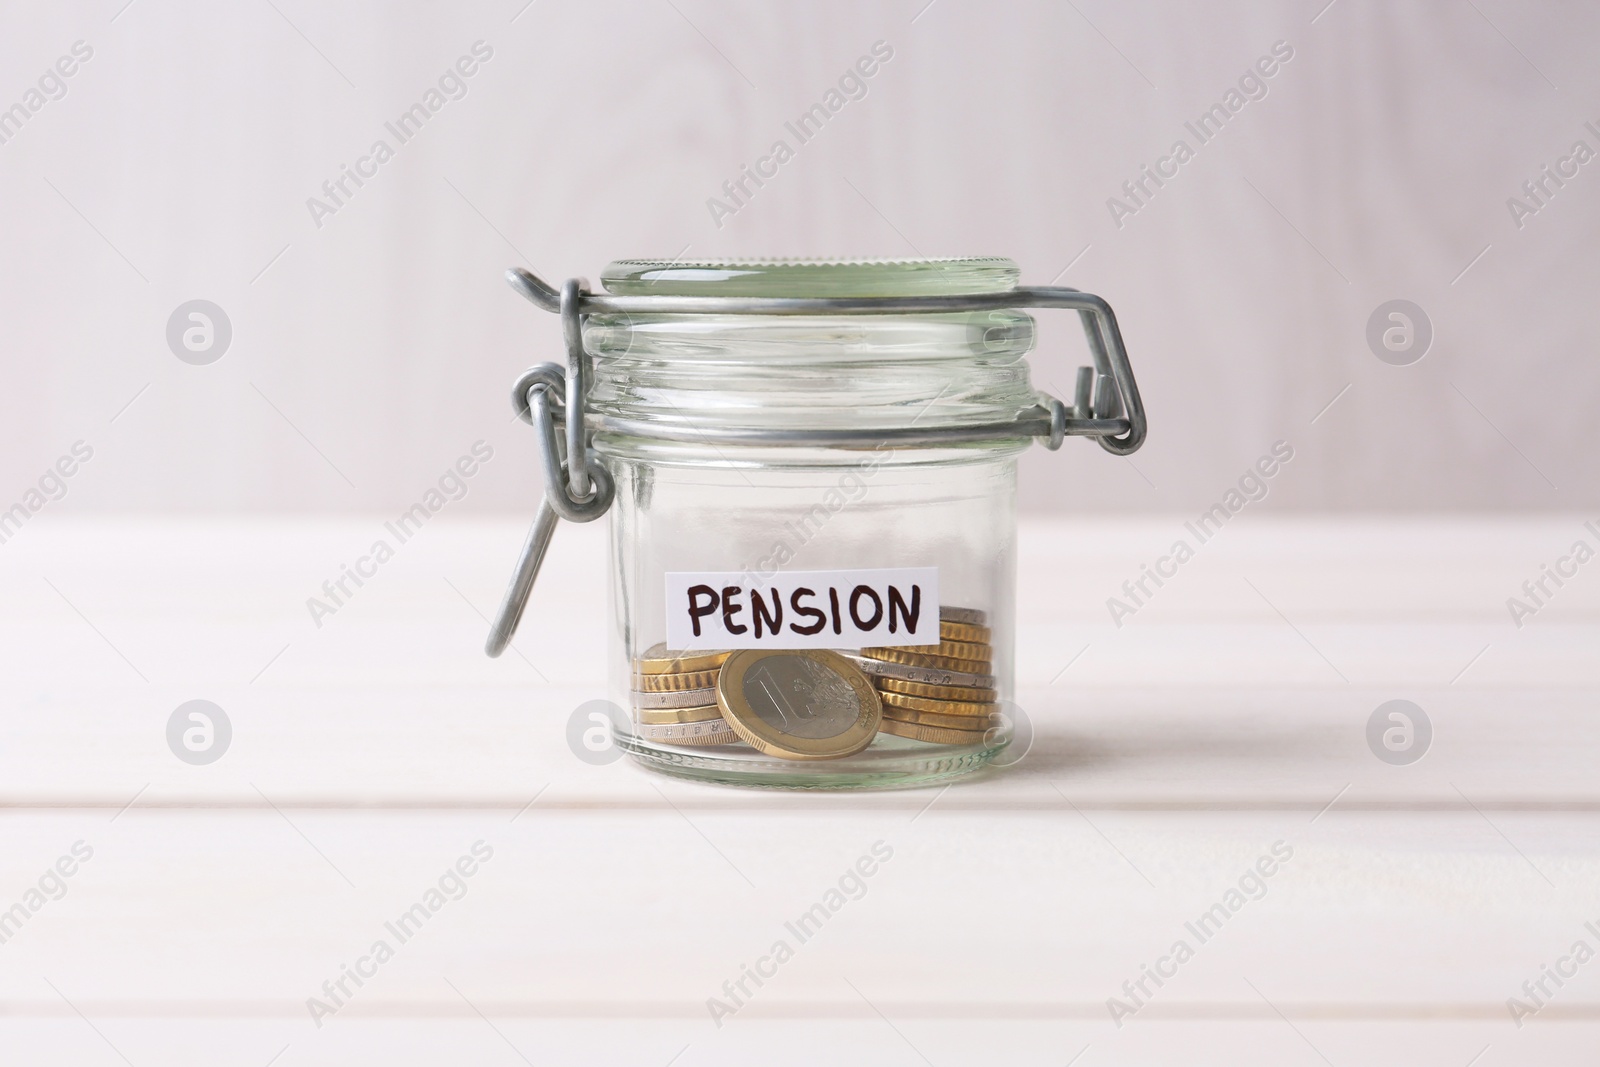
179,164
370,754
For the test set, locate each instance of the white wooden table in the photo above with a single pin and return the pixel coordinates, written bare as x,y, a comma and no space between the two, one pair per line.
370,754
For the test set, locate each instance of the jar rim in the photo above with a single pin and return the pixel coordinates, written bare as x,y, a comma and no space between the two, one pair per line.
802,277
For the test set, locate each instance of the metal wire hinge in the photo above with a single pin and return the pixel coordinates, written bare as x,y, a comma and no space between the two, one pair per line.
1105,406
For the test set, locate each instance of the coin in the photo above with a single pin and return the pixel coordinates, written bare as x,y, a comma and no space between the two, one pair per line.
967,650
662,716
661,683
675,698
965,631
940,707
688,733
974,723
938,735
906,672
936,692
917,659
658,660
803,704
970,616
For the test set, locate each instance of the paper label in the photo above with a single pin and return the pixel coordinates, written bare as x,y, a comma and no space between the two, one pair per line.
803,609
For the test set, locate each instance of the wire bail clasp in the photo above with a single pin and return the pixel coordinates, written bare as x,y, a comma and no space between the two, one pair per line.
578,487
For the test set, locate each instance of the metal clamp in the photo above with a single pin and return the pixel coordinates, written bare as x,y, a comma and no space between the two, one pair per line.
1105,406
578,487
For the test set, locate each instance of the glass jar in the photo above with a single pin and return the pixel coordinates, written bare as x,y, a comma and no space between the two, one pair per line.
810,469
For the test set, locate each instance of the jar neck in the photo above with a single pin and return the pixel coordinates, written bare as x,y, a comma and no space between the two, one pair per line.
750,372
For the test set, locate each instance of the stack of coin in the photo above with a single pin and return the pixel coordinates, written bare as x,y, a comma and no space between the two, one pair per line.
675,697
942,693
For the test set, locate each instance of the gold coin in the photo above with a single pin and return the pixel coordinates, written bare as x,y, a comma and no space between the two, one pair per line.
917,659
688,733
906,672
939,707
974,723
966,650
970,616
965,631
657,660
936,734
662,716
936,692
661,683
800,704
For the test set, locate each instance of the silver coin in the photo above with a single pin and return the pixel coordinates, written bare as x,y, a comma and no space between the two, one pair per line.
715,732
970,616
677,698
925,675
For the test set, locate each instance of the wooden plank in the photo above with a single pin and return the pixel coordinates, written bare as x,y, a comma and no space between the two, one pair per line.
894,1041
1104,748
1037,915
1206,698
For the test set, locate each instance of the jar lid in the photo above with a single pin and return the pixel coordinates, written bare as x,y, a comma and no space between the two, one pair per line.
956,276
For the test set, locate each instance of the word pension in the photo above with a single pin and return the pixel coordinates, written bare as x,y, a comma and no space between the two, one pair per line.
804,609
